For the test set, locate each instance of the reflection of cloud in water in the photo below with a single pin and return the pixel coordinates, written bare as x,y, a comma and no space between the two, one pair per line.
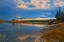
27,24
24,37
3,37
37,25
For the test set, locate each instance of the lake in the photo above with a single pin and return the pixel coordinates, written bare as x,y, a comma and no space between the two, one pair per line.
20,32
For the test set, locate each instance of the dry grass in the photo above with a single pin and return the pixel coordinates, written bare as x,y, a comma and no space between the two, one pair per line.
55,35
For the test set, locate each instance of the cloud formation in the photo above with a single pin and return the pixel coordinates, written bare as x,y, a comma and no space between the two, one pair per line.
46,15
39,4
59,3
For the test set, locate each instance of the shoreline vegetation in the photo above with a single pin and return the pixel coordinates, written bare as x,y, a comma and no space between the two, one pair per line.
54,33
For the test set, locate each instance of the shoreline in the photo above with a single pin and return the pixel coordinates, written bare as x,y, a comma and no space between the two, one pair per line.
54,33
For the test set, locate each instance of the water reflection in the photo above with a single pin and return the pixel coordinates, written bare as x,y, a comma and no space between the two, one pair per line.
26,33
10,32
27,24
32,38
3,37
36,25
13,24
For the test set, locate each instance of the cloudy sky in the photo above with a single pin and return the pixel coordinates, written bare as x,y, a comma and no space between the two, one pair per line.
29,8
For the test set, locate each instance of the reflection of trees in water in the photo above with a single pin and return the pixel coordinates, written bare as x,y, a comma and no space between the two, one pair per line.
0,22
3,37
13,24
36,25
27,24
30,24
20,25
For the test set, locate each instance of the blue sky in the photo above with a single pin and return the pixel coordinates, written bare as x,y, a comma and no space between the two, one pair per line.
29,8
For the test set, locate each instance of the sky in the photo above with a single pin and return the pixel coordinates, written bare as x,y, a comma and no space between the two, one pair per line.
13,9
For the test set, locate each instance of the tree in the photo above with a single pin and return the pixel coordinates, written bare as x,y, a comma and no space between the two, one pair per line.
57,14
20,18
62,16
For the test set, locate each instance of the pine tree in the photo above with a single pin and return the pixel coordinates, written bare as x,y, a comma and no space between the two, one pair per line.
57,15
62,16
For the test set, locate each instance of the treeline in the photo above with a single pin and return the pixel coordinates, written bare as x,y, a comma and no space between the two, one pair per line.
37,20
60,15
1,21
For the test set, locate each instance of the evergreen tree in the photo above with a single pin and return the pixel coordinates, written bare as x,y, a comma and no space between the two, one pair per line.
57,15
62,16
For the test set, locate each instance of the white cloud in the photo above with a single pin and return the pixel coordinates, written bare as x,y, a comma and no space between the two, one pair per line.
59,3
21,4
44,18
46,14
39,4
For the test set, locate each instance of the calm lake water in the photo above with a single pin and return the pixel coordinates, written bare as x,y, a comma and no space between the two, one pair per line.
10,32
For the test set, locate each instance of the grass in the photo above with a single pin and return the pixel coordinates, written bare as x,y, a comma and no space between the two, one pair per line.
56,34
